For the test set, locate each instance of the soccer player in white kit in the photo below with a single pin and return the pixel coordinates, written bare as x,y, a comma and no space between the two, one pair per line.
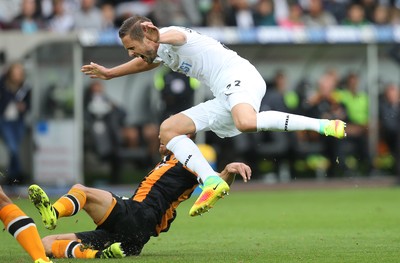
236,84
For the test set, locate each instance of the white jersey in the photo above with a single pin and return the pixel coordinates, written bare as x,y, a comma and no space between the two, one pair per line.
201,57
231,78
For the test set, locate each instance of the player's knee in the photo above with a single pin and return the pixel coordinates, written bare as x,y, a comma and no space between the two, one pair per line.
166,131
245,125
4,200
176,125
47,243
79,186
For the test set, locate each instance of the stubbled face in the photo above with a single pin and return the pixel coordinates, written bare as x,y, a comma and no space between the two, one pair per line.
147,50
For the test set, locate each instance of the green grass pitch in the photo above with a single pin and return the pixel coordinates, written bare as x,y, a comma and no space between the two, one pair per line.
348,225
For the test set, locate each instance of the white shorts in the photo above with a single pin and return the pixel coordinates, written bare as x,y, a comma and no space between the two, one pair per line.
215,114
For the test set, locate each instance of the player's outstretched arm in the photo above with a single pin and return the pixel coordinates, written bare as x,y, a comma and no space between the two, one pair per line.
231,169
136,65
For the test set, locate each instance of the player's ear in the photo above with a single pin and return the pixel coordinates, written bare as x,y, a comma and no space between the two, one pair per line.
146,26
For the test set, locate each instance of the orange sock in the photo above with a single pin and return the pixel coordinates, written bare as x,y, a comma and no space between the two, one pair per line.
71,203
24,230
71,249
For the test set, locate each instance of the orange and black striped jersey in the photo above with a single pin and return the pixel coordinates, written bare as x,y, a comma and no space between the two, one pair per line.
164,188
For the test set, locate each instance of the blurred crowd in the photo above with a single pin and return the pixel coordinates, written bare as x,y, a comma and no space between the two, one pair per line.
65,15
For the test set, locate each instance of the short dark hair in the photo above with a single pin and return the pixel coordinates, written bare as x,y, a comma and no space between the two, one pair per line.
131,27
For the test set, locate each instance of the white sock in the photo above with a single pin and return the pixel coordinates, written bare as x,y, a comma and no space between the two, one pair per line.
187,152
281,121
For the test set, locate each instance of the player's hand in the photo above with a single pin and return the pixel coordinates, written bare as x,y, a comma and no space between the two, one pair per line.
150,31
96,71
239,168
